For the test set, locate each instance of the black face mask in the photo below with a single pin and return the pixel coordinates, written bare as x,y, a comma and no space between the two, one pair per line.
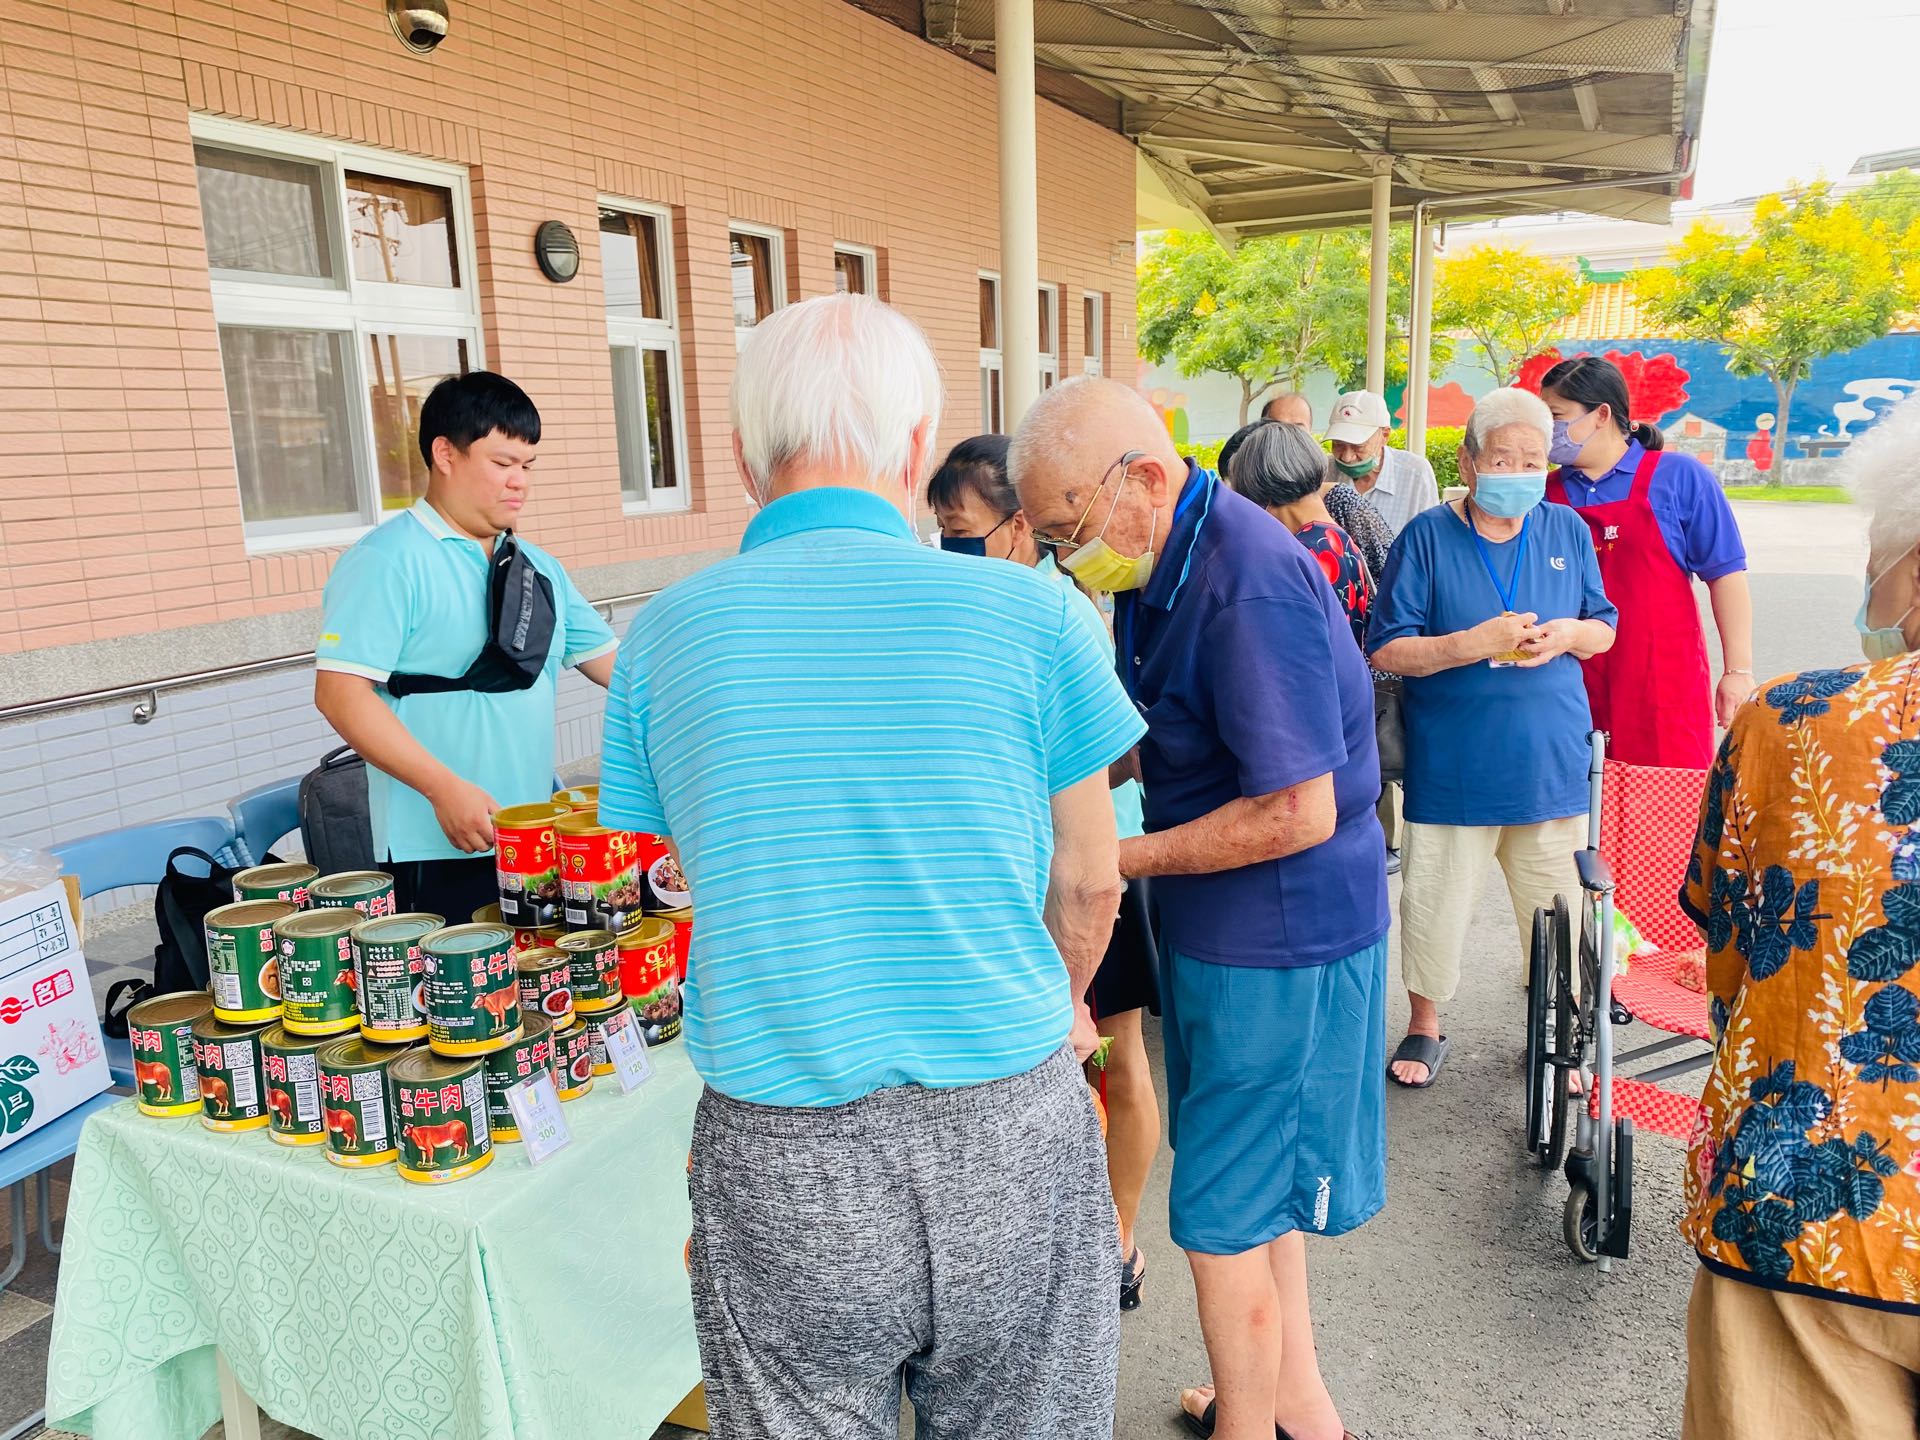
520,625
971,544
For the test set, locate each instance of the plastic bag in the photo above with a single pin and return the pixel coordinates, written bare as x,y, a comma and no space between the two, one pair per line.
24,869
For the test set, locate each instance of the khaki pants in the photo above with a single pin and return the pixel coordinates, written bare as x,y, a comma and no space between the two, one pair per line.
1442,868
1388,811
1765,1365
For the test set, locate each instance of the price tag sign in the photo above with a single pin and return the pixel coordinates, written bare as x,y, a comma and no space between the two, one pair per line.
535,1106
627,1049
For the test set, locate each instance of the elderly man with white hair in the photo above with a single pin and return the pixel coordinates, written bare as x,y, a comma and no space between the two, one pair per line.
1260,775
884,769
1487,607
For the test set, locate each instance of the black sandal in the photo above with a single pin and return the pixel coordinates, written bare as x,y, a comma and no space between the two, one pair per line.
1202,1425
1133,1275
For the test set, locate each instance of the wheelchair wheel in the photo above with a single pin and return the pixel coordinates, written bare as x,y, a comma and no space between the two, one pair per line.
1563,1046
1580,1224
1540,1074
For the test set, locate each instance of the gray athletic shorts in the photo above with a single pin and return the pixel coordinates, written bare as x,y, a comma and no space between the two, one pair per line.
961,1243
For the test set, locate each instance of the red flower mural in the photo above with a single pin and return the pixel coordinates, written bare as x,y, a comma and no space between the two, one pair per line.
1656,385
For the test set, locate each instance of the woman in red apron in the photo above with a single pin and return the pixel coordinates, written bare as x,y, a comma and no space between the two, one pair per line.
1658,520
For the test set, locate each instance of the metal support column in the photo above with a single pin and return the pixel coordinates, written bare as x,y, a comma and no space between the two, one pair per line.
1019,209
1420,339
1377,276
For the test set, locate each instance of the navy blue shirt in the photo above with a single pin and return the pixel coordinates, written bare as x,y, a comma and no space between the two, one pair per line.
1241,659
1492,745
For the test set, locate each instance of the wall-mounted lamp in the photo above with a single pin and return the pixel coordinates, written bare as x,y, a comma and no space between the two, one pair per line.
557,252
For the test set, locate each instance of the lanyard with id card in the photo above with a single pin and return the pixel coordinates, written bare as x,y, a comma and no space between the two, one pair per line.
1505,592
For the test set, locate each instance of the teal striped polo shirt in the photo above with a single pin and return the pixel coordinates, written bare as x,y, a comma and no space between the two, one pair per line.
853,739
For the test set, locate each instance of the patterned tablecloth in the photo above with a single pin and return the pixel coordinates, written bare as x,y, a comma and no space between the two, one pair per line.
521,1302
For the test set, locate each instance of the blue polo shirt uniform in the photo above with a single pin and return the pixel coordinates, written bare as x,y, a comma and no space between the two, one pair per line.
853,739
1693,513
1244,664
411,598
1491,745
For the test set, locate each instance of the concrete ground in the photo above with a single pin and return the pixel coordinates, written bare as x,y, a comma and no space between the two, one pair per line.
1458,1314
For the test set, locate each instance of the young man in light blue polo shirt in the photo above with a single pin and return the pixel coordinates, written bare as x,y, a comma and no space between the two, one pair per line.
411,600
885,770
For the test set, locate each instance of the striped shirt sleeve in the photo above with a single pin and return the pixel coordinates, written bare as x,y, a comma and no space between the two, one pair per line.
629,797
1087,722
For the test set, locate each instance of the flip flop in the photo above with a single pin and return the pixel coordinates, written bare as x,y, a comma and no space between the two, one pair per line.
1202,1425
1132,1276
1424,1050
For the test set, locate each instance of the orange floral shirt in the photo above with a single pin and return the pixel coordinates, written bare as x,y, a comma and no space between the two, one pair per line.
1804,1170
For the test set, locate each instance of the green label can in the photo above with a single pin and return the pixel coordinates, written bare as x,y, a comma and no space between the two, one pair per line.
388,972
166,1078
440,1107
472,988
546,983
275,882
228,1058
356,1106
573,1059
593,958
530,1055
243,960
316,971
368,891
291,1065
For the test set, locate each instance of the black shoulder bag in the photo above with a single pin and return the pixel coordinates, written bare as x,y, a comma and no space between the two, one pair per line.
520,629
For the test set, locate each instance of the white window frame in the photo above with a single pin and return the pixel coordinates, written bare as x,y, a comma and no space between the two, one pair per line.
1093,350
1050,359
778,267
358,308
662,335
869,259
992,360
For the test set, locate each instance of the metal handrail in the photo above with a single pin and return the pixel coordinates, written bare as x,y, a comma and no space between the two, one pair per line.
149,691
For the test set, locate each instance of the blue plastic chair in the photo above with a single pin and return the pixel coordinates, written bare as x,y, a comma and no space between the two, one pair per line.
263,817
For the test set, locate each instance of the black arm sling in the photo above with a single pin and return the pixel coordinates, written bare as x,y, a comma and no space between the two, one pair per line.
519,632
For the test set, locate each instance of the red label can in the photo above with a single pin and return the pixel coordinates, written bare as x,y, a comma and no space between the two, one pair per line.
526,860
600,873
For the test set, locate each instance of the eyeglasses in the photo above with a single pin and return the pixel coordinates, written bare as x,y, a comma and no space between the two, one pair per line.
1055,545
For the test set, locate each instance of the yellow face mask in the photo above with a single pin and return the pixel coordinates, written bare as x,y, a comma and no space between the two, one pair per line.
1096,564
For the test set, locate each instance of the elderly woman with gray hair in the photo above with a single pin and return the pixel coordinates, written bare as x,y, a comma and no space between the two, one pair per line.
1487,608
1282,469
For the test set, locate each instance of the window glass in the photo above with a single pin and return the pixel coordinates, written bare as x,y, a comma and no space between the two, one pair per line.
989,314
401,371
752,257
264,214
292,440
630,265
664,471
850,273
1046,322
644,423
401,232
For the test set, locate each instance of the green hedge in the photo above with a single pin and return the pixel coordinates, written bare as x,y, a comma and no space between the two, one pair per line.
1443,452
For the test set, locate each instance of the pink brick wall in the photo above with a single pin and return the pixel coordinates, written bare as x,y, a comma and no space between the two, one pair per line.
119,512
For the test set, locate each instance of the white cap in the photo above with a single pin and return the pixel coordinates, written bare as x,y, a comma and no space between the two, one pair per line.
1357,416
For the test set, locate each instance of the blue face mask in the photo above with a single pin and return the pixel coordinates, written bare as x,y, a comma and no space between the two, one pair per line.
964,544
1882,642
1511,495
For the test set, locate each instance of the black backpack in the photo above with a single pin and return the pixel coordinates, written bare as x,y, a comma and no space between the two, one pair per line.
181,903
336,828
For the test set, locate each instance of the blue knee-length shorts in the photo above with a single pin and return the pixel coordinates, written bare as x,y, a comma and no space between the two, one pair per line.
1276,1083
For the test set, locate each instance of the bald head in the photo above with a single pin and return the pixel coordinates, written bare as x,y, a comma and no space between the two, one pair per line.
1071,444
1289,407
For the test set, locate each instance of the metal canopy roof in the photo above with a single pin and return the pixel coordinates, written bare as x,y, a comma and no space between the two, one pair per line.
1270,115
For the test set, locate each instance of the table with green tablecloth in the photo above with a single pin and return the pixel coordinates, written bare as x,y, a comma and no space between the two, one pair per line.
522,1303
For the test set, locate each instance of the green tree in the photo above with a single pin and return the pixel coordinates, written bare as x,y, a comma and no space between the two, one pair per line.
1345,351
1264,313
1812,278
1509,301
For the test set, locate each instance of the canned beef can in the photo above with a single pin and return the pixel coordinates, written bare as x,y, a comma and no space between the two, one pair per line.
600,871
649,974
530,1055
524,937
228,1059
597,1055
166,1079
387,971
580,799
440,1107
356,1108
472,988
275,882
292,1071
316,971
573,1059
527,862
593,962
368,891
662,886
546,983
682,921
243,962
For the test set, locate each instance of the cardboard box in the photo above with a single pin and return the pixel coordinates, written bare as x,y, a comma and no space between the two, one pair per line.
51,1055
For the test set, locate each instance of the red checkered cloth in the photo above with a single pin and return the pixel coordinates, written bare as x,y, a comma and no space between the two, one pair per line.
1652,994
1650,1107
1648,816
